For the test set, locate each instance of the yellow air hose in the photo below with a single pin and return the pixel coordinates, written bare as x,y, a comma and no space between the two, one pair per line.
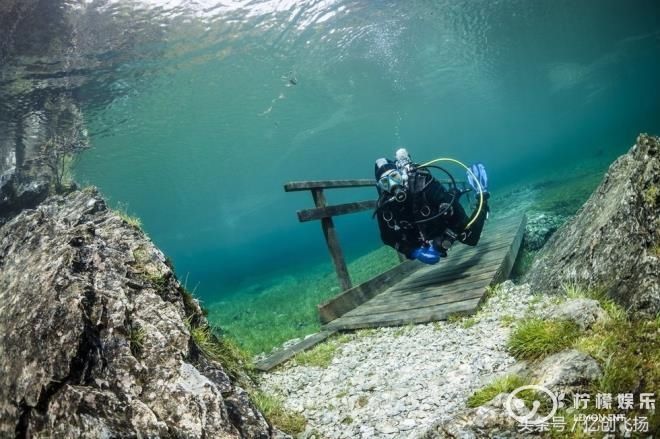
481,191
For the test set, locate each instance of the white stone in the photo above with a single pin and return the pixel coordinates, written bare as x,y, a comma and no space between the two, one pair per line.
386,428
407,424
404,383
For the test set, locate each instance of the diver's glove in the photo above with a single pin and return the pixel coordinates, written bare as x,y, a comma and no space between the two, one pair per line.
479,171
427,255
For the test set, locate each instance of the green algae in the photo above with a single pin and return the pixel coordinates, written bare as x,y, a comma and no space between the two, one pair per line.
288,309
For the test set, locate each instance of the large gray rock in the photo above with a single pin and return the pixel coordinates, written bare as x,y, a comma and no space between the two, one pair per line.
614,240
583,312
95,335
567,371
490,420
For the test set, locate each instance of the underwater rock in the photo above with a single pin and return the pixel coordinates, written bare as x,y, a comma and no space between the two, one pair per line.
539,228
487,421
583,312
567,371
96,338
613,242
17,194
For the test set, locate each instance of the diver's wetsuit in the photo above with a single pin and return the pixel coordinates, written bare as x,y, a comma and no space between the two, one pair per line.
403,226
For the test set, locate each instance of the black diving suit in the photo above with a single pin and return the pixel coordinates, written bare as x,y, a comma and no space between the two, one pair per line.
430,212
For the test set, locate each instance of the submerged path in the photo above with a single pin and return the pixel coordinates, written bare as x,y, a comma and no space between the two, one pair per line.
397,382
415,293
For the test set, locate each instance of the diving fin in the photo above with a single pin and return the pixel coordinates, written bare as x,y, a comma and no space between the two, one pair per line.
478,170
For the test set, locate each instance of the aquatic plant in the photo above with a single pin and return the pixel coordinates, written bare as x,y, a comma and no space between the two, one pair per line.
263,320
507,320
626,349
628,352
59,154
322,354
469,322
273,409
234,360
403,330
535,338
456,317
565,196
651,195
574,290
523,263
134,221
505,384
136,340
319,356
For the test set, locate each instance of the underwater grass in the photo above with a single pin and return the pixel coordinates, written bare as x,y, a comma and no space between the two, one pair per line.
322,354
574,290
505,384
565,196
273,409
131,220
287,309
536,338
523,263
627,350
263,317
136,340
223,350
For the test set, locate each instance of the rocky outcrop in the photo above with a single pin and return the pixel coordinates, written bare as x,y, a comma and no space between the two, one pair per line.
567,371
583,312
96,334
539,228
614,240
564,373
490,420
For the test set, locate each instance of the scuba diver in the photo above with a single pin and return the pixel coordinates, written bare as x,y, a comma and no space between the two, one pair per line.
420,217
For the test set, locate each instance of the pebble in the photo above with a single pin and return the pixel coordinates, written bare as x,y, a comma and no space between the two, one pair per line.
389,383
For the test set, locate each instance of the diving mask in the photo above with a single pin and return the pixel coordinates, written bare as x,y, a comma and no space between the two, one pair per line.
390,180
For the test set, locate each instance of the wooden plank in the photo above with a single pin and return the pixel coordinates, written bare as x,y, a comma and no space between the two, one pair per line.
401,297
339,209
350,299
283,355
440,312
441,273
326,184
455,272
376,309
464,275
444,285
443,291
332,241
510,259
293,186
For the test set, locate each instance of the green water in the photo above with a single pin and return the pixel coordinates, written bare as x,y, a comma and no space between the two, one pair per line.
206,125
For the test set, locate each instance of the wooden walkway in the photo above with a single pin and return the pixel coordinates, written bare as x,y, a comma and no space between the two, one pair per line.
417,293
456,285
